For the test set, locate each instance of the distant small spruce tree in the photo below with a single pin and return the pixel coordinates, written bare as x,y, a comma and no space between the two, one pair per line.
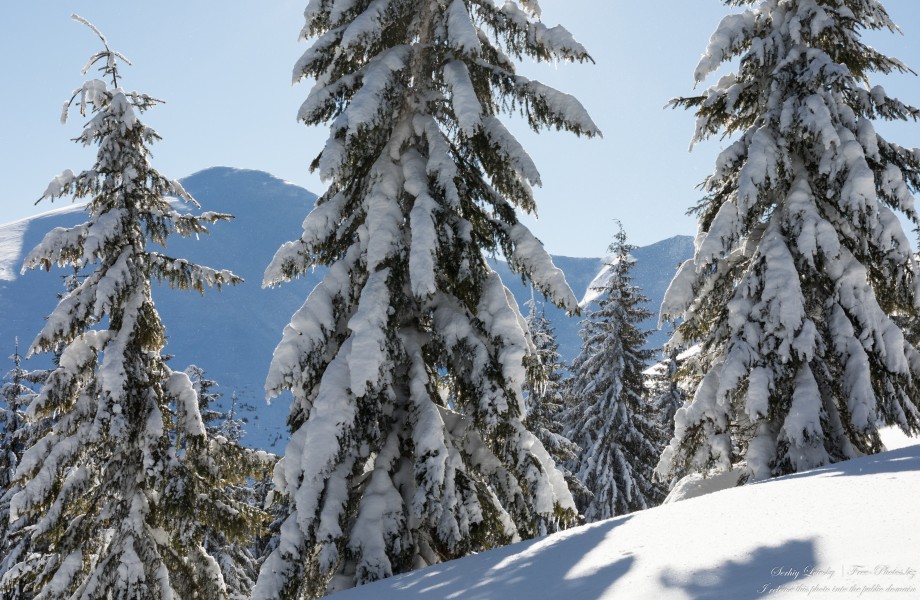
608,414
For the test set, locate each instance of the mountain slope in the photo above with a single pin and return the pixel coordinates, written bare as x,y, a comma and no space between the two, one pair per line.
851,530
232,334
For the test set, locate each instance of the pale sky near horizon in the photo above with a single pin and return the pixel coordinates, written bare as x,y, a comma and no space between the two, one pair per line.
224,69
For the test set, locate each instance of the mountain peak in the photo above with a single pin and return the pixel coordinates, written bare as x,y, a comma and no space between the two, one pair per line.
229,183
214,173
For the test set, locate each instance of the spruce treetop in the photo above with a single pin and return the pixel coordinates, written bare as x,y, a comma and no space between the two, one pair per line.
128,205
395,78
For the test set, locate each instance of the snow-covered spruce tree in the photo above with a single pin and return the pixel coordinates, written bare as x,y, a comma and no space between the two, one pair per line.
608,415
217,422
383,475
16,434
543,395
666,395
214,509
800,257
16,392
909,322
232,427
115,508
211,416
236,555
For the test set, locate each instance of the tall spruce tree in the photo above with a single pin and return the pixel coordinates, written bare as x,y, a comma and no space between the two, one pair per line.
382,474
608,414
800,257
114,500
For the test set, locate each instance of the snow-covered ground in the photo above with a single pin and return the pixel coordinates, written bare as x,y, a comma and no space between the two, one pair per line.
851,530
10,248
12,236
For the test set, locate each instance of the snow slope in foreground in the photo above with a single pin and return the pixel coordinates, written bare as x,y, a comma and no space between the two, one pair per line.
851,530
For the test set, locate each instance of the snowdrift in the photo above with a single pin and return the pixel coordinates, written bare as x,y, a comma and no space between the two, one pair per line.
850,530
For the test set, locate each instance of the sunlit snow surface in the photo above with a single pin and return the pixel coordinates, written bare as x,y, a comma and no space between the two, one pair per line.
10,248
851,530
12,236
695,485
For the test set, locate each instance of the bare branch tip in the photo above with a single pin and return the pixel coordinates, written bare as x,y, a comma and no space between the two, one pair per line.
82,20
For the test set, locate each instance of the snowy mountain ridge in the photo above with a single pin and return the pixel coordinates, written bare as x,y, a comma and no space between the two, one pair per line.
231,334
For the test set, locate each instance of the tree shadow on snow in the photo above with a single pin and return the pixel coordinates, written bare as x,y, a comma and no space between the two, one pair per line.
544,568
765,572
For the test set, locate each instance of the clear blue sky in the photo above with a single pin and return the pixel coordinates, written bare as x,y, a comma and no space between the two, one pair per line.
224,69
